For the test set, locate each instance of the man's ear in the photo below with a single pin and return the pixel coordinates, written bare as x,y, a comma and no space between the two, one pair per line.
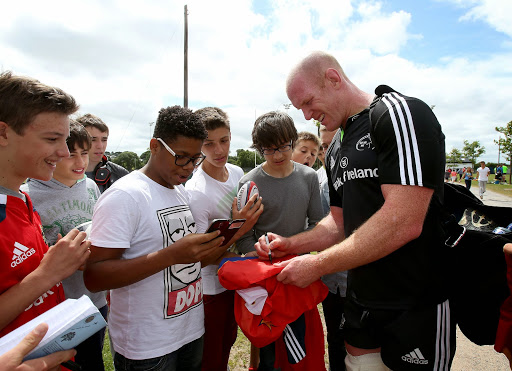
333,77
3,133
153,145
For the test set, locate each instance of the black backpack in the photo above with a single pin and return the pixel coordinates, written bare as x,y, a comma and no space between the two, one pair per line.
479,275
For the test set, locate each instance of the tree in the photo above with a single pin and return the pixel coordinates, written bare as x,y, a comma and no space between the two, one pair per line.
145,157
506,145
245,158
454,156
472,151
129,160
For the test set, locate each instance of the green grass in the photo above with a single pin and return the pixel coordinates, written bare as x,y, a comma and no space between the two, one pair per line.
504,189
238,358
107,356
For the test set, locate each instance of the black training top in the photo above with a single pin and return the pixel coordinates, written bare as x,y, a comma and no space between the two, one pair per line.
401,144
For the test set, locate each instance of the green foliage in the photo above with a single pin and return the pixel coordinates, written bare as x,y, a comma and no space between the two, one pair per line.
145,157
129,160
472,150
506,145
245,158
454,156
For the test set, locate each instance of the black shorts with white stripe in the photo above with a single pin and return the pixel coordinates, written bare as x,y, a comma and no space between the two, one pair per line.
420,338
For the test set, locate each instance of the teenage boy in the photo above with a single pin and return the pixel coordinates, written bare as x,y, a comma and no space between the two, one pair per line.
64,202
212,192
34,125
305,150
482,177
289,190
100,169
146,251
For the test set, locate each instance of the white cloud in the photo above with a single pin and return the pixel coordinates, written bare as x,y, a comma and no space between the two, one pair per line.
123,60
494,12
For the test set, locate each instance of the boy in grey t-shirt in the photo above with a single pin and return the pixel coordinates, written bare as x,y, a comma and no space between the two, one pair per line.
290,191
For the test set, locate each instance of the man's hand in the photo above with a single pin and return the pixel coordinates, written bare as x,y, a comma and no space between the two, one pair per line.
13,359
66,256
250,212
279,246
300,271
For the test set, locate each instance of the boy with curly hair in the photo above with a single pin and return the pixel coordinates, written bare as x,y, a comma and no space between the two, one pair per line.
146,251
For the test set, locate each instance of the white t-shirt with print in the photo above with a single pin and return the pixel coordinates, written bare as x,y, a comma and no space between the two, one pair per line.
209,200
163,312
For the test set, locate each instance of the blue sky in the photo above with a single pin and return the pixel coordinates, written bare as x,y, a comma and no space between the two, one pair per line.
122,60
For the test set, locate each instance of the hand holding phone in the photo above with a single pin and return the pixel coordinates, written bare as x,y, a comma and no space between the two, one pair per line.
227,228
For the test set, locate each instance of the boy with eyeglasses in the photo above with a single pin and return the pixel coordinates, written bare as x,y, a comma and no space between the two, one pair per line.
290,191
146,251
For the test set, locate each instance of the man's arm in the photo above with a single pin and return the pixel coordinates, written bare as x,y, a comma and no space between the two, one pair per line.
326,233
106,270
61,260
390,228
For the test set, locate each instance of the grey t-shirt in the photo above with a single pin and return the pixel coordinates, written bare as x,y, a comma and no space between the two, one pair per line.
289,203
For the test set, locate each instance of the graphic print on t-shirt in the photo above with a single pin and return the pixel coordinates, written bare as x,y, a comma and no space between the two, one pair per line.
182,288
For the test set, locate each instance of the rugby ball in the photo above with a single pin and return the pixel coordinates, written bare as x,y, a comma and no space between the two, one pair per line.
245,192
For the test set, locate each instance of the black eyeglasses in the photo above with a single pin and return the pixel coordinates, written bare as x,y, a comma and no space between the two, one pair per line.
181,160
271,151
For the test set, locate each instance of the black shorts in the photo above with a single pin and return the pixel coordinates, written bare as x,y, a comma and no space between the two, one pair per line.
420,338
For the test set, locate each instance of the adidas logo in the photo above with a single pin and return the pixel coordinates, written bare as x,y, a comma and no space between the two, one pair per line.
415,357
20,254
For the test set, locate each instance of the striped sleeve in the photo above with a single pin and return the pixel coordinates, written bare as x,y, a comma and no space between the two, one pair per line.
408,140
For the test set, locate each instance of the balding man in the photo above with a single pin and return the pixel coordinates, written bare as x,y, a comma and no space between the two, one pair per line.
386,187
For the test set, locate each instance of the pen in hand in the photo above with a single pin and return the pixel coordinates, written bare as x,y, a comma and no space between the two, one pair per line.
269,251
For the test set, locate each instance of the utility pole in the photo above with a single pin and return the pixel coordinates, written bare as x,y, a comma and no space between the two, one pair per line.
185,70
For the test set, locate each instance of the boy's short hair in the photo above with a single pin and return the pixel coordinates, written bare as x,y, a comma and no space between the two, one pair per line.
214,118
22,98
306,135
78,135
92,120
272,129
175,121
321,128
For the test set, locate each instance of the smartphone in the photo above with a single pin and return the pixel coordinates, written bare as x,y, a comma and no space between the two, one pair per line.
227,228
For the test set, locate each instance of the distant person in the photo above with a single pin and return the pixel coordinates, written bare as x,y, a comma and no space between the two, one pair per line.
63,203
499,174
213,189
447,174
305,150
454,175
468,177
34,125
100,169
147,252
482,177
396,310
460,172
